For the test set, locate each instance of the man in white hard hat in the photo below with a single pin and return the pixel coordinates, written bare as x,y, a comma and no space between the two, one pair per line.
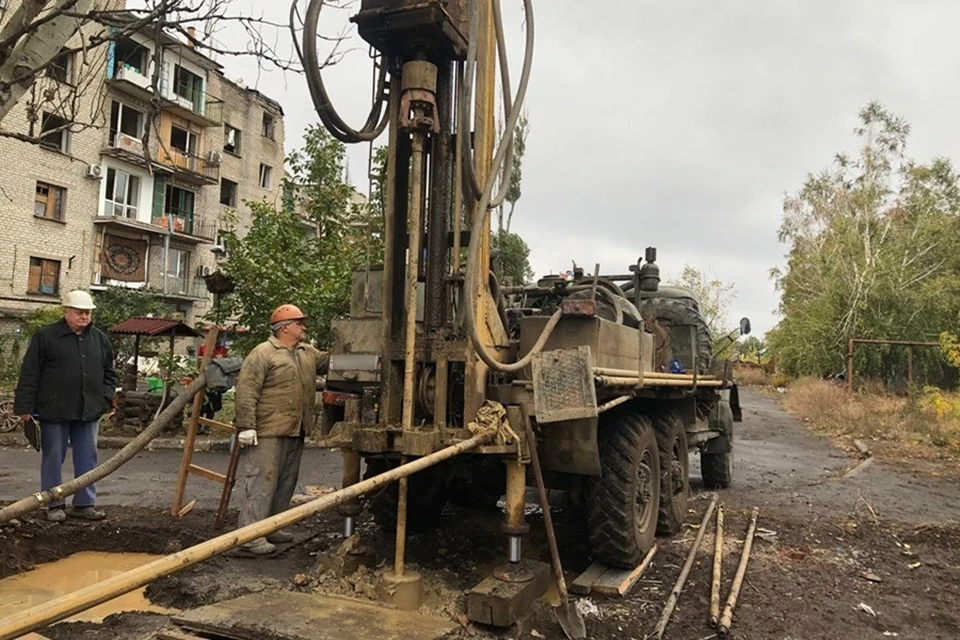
67,381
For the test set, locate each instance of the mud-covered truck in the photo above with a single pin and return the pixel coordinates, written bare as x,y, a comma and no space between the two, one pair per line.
619,391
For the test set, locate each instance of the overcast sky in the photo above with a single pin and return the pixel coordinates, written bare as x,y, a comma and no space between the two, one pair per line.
682,125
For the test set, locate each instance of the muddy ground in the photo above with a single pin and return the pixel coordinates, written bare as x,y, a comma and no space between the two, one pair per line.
872,555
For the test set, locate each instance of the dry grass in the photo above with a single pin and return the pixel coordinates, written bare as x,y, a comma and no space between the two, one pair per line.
750,376
912,424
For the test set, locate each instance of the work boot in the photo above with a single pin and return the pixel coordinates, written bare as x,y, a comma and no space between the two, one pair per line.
280,537
259,547
87,513
56,515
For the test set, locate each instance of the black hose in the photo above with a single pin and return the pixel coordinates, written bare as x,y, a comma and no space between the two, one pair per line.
376,120
58,493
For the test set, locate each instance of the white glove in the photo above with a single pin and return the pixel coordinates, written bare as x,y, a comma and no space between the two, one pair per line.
248,437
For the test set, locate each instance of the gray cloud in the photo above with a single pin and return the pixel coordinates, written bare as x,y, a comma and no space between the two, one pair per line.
683,124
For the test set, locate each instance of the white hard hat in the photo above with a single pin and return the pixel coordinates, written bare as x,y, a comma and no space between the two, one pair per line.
78,299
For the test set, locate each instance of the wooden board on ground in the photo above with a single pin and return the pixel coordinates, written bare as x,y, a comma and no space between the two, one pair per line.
599,578
290,615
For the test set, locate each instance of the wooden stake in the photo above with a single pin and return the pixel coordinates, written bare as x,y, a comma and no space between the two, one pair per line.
727,619
717,569
678,587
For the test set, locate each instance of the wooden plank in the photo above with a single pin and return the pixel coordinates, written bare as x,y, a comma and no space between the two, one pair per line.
500,603
207,473
288,615
176,635
584,582
617,582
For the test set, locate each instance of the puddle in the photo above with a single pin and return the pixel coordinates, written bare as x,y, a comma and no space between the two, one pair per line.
55,579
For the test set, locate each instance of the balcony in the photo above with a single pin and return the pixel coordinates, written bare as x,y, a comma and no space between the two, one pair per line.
191,167
197,106
129,149
180,288
185,226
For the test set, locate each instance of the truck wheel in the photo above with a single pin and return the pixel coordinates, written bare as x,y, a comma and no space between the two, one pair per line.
622,502
674,473
426,497
716,469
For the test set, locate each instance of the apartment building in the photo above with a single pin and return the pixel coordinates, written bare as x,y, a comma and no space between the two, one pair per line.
147,152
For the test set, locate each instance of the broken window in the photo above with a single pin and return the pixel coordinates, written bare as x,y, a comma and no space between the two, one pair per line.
231,139
55,133
44,277
49,201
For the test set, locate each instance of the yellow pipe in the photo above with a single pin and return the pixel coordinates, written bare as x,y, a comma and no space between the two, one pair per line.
617,381
55,610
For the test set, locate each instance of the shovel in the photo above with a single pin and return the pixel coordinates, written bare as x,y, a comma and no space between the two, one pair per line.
567,615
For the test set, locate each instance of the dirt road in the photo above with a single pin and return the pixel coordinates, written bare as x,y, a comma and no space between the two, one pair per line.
887,538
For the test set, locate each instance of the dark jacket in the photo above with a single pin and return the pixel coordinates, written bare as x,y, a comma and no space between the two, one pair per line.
66,376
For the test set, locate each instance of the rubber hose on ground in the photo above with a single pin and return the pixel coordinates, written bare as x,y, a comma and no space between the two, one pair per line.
135,446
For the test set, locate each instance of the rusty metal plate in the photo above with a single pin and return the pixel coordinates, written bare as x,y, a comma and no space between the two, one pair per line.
563,385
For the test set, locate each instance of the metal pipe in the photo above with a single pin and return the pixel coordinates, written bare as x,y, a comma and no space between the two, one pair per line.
678,587
717,569
413,267
401,549
630,373
617,381
727,618
616,402
349,526
55,610
514,548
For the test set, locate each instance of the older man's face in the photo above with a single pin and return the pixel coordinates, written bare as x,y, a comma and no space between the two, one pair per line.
77,319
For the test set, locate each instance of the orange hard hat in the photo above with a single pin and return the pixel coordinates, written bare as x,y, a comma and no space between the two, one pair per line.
286,312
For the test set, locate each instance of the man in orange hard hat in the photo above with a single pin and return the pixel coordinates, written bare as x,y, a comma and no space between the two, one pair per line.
275,395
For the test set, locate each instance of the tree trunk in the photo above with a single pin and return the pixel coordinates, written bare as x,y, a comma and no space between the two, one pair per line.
35,50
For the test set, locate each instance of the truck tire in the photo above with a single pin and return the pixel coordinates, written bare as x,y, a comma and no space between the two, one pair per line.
716,469
426,497
674,472
676,312
623,500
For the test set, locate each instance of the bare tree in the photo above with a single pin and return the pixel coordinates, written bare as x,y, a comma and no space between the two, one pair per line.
38,36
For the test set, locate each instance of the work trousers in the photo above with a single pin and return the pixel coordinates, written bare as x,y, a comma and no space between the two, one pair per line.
270,471
82,438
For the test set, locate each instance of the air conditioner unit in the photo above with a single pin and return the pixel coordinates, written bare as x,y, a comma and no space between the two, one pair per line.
203,271
94,171
129,143
213,158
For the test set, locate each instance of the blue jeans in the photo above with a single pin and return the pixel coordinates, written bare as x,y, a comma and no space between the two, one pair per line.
54,437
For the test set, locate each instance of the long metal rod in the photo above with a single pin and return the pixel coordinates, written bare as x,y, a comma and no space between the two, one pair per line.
681,580
630,373
55,610
717,570
727,618
617,381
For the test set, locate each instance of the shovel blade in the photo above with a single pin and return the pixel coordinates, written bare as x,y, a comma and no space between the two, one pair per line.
571,621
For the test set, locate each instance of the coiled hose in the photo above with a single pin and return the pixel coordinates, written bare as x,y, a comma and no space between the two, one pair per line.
135,446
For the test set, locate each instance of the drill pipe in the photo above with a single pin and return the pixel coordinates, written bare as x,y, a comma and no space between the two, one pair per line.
43,498
49,612
682,579
727,618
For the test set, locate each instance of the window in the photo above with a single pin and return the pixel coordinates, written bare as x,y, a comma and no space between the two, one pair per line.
126,120
184,141
54,133
188,85
44,277
122,198
49,201
231,140
265,172
130,55
228,192
179,202
61,69
175,266
269,124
